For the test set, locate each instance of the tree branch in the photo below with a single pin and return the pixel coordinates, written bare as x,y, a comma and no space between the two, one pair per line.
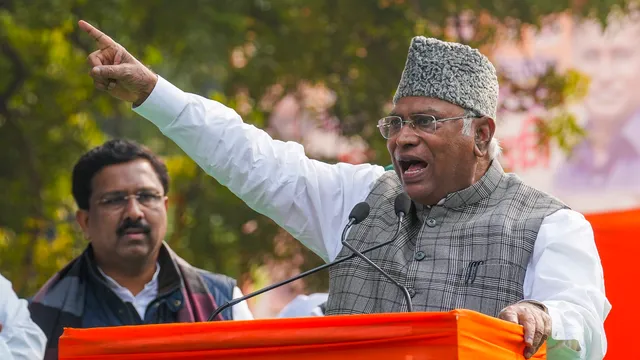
6,4
19,75
35,183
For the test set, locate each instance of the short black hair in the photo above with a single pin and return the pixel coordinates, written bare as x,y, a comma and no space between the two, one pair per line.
112,152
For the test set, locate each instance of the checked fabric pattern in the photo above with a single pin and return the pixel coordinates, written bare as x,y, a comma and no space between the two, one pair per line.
468,252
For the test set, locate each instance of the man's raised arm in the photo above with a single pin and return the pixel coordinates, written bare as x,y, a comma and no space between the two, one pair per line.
306,197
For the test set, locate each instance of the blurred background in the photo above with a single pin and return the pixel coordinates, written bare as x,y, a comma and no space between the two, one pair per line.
319,72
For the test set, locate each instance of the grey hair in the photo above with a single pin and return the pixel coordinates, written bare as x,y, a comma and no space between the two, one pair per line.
494,146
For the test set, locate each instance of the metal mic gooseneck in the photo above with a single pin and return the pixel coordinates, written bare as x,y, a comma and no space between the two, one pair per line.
360,212
404,290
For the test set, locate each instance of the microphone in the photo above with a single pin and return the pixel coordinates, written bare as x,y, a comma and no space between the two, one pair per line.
363,208
402,206
359,213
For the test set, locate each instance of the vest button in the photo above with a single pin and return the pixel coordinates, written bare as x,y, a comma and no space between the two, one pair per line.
412,292
419,256
177,303
431,222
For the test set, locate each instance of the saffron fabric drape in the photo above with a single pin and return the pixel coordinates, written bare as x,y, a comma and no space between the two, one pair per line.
459,334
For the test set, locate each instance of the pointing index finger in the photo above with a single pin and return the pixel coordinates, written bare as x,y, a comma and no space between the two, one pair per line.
101,38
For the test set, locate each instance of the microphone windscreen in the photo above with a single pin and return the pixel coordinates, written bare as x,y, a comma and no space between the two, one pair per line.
402,204
359,212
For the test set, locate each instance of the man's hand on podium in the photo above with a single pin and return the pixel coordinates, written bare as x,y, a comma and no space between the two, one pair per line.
535,320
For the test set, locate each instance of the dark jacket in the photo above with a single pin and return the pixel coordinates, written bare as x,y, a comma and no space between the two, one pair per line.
78,297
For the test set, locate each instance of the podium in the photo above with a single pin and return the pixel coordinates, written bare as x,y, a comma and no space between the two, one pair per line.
458,334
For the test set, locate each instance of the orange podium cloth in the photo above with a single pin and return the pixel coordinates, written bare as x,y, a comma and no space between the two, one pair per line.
459,334
617,237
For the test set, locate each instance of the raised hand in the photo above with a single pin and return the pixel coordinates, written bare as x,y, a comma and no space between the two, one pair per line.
116,71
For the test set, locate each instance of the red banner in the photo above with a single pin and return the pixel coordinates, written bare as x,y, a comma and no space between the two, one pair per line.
618,240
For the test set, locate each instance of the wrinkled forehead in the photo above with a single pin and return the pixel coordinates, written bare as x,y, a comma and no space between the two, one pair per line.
128,177
425,105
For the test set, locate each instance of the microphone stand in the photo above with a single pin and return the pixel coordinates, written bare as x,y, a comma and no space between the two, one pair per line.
407,297
321,267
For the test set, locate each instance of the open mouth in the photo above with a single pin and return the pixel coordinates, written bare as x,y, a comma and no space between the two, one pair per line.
412,167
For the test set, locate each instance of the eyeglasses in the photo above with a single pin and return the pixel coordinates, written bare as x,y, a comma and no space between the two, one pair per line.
120,201
390,126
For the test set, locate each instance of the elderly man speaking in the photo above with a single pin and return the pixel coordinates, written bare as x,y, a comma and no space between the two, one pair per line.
475,238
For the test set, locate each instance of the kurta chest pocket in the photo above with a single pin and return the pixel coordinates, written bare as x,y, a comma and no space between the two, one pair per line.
489,287
481,273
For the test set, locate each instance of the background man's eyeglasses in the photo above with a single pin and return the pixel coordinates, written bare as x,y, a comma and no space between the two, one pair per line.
114,202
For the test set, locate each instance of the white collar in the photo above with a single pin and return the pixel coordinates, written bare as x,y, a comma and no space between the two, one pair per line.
113,285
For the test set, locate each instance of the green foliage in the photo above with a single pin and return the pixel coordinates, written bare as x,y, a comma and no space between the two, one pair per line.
50,113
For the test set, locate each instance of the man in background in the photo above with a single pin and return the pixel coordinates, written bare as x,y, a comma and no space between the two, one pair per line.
127,275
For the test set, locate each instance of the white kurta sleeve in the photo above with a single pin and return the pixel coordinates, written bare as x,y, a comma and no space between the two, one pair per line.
308,198
565,274
20,338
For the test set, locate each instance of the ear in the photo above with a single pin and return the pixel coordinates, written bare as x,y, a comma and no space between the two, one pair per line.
166,203
82,218
483,132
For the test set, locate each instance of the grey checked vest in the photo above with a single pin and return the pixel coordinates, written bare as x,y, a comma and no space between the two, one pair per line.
468,252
